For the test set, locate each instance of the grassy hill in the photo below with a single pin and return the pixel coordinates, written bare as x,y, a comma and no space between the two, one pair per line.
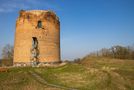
90,74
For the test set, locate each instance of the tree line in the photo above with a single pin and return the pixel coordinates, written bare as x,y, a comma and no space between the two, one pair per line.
118,52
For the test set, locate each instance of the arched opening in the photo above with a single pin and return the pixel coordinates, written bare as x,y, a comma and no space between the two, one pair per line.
34,42
34,51
39,25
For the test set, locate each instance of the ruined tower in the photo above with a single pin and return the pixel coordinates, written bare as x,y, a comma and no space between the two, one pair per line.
37,37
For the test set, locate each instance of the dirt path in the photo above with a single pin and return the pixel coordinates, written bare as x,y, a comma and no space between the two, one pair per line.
43,81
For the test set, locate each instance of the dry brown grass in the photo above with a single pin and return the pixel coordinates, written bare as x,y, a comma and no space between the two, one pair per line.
90,74
3,69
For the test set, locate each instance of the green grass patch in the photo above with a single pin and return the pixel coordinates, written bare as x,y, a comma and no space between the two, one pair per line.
90,74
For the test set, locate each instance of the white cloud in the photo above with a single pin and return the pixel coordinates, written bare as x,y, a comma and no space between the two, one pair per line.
15,5
6,10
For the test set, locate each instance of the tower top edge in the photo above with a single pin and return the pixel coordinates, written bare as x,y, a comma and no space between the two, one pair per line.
37,11
33,11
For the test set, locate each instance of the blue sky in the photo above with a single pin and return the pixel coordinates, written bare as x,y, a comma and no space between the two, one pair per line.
86,25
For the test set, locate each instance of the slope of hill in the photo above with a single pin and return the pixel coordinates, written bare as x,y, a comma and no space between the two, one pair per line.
89,74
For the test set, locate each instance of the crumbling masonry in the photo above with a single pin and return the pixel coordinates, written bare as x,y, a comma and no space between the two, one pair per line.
37,38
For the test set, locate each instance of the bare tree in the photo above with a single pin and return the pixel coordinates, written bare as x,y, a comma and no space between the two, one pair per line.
119,52
7,52
105,52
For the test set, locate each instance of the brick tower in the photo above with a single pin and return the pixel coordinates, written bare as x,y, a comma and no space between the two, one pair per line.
37,37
